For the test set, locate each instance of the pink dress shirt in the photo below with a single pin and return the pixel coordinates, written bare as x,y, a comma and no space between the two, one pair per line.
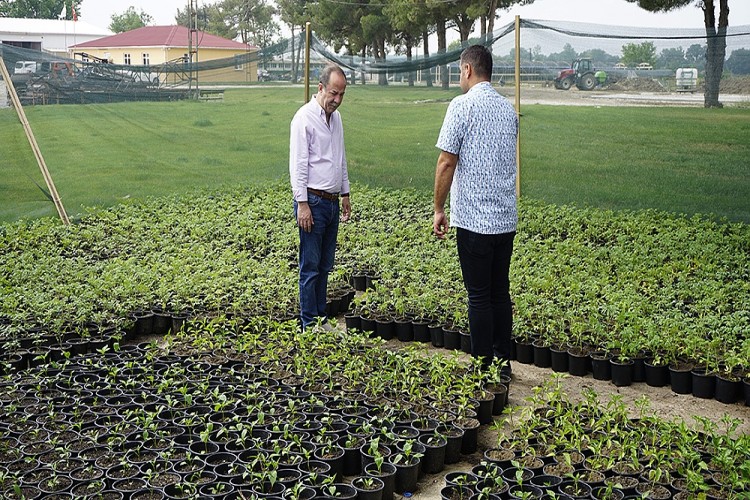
317,158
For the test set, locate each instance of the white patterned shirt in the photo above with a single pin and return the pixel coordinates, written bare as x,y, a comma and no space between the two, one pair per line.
481,127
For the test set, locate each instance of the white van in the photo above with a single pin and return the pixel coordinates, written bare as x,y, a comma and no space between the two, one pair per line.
25,67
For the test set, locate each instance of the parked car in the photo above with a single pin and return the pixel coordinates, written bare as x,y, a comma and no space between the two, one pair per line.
644,65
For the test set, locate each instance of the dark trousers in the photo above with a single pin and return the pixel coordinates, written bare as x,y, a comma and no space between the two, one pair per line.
317,250
485,264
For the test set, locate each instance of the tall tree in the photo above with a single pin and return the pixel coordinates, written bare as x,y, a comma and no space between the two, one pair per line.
636,53
294,14
410,21
716,38
341,25
39,9
252,20
210,19
739,62
129,20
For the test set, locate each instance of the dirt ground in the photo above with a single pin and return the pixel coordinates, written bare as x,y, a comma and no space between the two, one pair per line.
634,92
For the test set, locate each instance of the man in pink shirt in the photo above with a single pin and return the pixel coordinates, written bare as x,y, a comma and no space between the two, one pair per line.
319,177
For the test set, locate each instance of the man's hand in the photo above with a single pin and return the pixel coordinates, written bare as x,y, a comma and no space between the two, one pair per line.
440,224
346,209
304,216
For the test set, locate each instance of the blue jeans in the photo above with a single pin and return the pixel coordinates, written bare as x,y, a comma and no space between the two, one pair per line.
316,252
485,265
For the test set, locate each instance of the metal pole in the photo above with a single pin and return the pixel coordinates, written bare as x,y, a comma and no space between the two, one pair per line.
307,61
518,106
32,141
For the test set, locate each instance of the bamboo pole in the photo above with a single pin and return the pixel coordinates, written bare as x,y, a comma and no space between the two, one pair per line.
518,106
308,37
32,141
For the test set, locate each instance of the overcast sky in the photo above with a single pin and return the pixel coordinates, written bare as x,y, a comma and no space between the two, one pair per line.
614,12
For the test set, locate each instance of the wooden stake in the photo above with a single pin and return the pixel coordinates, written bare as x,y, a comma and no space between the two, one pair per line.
32,141
518,107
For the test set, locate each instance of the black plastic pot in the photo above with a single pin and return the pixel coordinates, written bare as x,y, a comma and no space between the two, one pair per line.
600,366
387,474
558,359
407,475
352,456
436,335
454,435
681,378
353,321
622,372
433,460
453,491
728,390
470,427
421,332
451,339
524,350
367,323
578,362
368,487
385,328
404,330
704,384
525,491
542,356
500,393
639,368
465,342
656,375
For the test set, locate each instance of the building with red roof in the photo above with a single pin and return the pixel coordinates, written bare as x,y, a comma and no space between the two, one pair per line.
231,61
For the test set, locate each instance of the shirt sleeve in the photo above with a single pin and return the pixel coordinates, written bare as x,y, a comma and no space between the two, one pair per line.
298,158
452,132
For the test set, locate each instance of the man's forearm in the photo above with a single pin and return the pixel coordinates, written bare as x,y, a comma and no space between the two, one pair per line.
446,166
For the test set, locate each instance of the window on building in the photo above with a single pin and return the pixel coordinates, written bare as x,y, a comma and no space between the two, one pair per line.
238,63
127,58
146,60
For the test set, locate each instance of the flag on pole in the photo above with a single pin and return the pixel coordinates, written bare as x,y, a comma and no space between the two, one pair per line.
64,12
75,16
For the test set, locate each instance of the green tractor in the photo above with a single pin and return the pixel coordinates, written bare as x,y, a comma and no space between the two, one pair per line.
582,74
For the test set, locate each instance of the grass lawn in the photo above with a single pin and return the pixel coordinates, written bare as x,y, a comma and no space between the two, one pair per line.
685,160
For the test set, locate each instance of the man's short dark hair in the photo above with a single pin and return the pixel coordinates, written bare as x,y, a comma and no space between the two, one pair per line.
479,58
325,75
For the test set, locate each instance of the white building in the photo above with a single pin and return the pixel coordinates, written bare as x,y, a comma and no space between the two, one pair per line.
48,35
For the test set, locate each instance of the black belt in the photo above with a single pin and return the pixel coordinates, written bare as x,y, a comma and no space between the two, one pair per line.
323,194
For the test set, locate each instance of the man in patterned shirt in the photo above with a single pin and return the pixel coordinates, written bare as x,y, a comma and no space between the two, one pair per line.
477,164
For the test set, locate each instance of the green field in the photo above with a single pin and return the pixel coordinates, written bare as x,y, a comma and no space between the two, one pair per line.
684,160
